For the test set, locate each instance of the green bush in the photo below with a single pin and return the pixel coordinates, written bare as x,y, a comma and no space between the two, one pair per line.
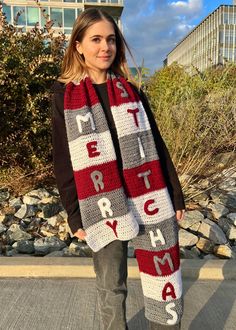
196,113
29,62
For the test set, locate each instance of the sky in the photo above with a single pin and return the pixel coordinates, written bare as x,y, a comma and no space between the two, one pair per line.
152,28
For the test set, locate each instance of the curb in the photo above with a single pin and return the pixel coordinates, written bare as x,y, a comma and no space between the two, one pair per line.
78,267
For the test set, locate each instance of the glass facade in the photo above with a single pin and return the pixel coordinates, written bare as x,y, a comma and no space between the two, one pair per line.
7,11
212,42
32,16
19,15
56,16
62,12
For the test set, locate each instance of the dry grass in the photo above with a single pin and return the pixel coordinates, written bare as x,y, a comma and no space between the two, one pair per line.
19,182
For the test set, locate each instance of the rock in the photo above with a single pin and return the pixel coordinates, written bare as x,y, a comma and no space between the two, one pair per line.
16,203
187,239
11,253
49,210
205,245
15,233
211,230
25,211
47,245
224,224
2,217
218,210
63,215
2,228
49,200
55,192
201,197
227,184
39,193
231,233
215,196
195,227
24,246
79,248
46,233
230,216
4,195
187,254
55,254
203,203
53,220
196,251
31,200
190,218
224,251
229,199
204,184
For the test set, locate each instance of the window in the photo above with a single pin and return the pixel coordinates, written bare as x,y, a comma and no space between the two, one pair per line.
44,14
67,31
32,16
69,17
79,11
56,16
7,11
69,0
221,37
19,15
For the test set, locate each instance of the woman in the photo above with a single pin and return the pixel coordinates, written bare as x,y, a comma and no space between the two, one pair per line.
114,174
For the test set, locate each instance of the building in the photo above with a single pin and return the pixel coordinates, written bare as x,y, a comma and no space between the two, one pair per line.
62,12
211,43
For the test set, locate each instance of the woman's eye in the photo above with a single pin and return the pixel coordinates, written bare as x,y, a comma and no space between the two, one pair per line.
96,40
112,40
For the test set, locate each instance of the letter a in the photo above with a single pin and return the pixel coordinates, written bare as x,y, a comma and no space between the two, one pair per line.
168,290
172,313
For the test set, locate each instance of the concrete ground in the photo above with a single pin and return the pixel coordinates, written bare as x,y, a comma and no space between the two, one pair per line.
70,303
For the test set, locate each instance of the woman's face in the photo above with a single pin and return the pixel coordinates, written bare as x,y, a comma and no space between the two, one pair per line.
98,47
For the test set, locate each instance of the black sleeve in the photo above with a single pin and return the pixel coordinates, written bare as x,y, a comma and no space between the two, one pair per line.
167,165
61,160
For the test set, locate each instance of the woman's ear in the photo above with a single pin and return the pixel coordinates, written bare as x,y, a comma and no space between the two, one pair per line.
78,47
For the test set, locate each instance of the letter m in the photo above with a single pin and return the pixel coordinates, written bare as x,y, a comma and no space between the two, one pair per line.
85,118
162,261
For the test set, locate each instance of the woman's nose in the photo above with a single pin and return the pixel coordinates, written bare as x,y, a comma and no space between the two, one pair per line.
105,45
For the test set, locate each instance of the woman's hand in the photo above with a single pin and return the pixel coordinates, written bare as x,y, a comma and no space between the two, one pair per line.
180,214
81,234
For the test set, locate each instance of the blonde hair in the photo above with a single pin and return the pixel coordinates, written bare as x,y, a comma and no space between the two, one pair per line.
73,65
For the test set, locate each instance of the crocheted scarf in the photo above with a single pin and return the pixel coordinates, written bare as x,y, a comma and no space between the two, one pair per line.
128,203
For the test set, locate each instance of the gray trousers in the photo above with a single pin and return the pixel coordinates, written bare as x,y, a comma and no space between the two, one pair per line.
110,266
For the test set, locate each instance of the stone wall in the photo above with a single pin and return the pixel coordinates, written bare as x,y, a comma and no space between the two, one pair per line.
36,224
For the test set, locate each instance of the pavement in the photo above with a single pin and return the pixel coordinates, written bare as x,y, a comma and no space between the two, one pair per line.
59,293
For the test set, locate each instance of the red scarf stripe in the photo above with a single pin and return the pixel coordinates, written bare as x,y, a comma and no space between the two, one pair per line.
135,186
77,96
146,261
117,98
85,186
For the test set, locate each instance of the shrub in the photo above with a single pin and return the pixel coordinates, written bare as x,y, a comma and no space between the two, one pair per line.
195,114
29,63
